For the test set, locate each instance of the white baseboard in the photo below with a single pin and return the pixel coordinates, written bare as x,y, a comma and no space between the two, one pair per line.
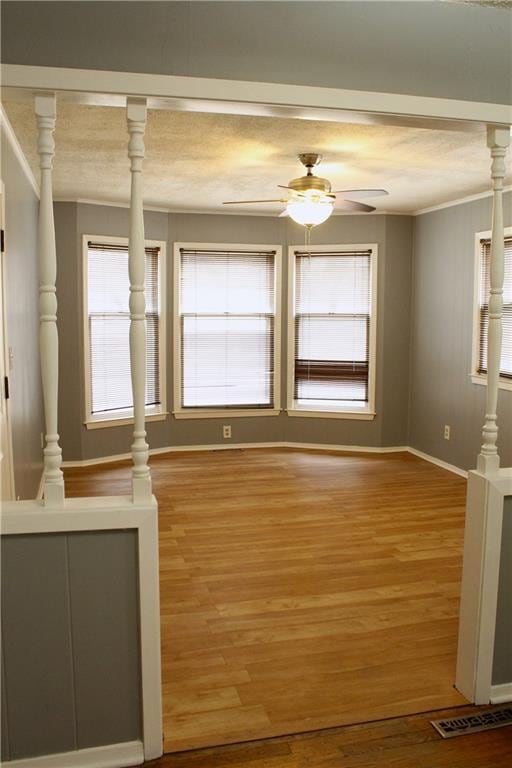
500,694
438,462
347,448
109,756
277,444
170,449
235,447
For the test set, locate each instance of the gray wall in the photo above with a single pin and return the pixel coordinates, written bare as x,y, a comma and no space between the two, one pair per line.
70,655
393,234
22,297
502,666
441,339
428,48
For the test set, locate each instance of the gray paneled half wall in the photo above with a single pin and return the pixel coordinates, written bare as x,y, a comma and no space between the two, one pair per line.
70,647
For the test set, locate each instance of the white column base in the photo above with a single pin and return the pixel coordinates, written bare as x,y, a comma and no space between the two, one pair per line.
488,465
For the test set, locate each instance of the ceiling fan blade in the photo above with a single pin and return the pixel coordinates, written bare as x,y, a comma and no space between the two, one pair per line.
295,191
362,192
352,205
243,202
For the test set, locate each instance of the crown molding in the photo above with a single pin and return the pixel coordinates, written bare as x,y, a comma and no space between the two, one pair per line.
458,201
16,148
203,212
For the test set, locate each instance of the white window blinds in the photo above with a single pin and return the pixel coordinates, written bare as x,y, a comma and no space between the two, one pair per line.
332,322
227,319
485,273
108,291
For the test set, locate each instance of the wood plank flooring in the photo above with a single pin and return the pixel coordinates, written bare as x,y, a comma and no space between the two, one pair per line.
397,743
300,589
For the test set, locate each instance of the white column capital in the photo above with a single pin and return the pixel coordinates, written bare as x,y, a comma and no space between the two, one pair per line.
136,116
136,110
45,105
498,136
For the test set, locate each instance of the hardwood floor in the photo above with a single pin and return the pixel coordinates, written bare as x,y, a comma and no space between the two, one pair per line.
300,589
397,743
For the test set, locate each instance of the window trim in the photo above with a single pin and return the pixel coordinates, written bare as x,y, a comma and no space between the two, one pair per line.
481,378
124,415
212,413
348,412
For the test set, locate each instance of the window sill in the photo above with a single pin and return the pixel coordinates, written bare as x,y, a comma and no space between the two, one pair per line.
478,378
324,413
119,420
223,414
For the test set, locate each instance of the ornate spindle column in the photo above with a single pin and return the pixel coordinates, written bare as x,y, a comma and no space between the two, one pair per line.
498,139
45,110
141,479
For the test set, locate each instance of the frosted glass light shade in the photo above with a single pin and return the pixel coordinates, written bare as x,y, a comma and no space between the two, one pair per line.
309,212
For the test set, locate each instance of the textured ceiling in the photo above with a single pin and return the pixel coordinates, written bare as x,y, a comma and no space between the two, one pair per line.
194,161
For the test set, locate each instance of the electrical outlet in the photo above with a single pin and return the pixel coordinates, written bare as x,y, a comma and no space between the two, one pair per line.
446,431
226,431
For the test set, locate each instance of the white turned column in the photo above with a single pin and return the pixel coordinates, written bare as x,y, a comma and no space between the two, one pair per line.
45,109
498,139
141,479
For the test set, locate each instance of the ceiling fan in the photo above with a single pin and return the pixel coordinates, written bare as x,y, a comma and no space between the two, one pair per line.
310,200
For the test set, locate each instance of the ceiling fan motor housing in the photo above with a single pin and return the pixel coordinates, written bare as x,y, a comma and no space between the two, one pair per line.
309,181
305,183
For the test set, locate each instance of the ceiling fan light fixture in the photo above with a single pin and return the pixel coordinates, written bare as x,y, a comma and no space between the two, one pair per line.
309,212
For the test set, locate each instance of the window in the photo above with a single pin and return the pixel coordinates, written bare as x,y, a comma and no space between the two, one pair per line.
331,351
482,283
107,328
226,330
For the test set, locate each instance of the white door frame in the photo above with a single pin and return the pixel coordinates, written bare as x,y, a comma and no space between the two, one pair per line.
7,472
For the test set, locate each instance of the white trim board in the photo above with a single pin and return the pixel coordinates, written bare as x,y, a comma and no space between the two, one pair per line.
110,756
277,444
210,212
235,447
438,462
16,148
501,694
458,201
200,212
213,94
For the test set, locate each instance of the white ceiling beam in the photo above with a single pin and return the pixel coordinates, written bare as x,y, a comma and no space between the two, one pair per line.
265,99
